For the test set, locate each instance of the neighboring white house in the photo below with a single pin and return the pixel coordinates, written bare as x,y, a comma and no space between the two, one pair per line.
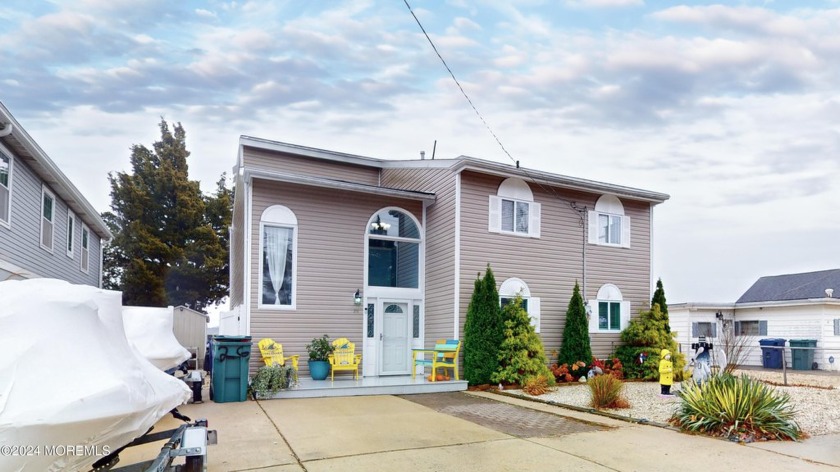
791,306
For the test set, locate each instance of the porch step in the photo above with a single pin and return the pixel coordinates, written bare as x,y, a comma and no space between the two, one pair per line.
398,385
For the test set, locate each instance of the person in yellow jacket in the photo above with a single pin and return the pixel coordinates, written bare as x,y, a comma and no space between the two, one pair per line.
666,372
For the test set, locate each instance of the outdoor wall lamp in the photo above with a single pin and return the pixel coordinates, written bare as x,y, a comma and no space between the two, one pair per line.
719,315
357,297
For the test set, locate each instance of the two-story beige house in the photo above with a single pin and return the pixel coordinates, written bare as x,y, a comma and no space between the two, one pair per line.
314,228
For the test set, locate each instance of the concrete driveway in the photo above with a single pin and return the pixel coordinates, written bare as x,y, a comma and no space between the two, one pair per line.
387,433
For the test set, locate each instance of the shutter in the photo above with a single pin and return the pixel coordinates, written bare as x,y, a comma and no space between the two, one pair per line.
534,312
695,327
593,227
625,231
737,328
593,315
625,314
714,330
762,328
494,223
534,223
837,326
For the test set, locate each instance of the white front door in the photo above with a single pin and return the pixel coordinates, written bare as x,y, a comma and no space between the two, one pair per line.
395,348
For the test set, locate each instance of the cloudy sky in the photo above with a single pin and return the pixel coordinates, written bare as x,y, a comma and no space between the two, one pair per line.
732,109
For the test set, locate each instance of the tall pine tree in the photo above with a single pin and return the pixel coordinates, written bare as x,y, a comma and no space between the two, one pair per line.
483,331
576,345
168,246
659,298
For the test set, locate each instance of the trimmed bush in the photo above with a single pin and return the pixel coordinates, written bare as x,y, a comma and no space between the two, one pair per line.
576,346
648,334
521,354
737,408
483,331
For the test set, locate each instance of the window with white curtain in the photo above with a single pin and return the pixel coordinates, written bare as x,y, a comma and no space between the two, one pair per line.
278,234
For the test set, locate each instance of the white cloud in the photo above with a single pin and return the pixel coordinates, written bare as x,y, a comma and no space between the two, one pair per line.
202,13
604,3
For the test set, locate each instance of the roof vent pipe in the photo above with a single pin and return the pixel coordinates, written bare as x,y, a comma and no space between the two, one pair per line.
829,292
422,155
7,130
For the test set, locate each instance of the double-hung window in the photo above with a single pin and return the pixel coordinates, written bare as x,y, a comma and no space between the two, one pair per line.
703,328
5,188
71,228
47,217
608,225
609,316
751,328
609,313
513,210
85,254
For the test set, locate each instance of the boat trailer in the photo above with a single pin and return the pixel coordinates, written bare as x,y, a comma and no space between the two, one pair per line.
190,440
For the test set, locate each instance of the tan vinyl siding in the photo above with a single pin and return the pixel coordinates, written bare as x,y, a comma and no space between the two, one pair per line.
552,264
626,268
271,161
330,263
237,245
440,244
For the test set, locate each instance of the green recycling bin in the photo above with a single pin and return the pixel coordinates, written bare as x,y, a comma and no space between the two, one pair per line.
231,355
802,358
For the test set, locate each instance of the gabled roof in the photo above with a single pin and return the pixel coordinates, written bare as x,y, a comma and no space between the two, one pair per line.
28,150
457,164
804,286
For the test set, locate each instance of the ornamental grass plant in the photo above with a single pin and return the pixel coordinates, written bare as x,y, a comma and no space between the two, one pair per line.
738,408
607,392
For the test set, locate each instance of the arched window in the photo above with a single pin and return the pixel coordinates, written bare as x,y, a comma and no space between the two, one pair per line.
511,288
278,249
513,210
610,312
608,226
394,239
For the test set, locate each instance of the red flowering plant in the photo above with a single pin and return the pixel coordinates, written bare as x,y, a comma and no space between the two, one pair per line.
573,372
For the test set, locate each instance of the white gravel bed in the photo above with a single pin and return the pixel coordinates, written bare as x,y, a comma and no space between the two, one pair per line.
817,408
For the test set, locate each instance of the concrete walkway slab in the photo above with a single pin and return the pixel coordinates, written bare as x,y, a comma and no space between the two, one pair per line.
823,449
496,455
650,448
322,428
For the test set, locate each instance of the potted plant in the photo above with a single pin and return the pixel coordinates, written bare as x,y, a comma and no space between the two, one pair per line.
319,350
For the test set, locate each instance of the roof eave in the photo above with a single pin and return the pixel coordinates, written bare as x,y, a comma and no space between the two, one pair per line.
556,180
49,172
339,185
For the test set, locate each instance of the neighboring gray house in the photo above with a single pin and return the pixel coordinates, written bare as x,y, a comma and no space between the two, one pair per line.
790,306
47,228
311,228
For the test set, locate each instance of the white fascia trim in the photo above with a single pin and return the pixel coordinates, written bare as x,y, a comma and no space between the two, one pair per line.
66,190
420,164
789,303
340,185
562,181
456,309
702,306
306,151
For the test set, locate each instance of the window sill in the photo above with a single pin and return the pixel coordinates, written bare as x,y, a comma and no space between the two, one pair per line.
519,235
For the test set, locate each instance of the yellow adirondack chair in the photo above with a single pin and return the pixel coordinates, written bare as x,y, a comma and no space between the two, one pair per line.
344,357
272,353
